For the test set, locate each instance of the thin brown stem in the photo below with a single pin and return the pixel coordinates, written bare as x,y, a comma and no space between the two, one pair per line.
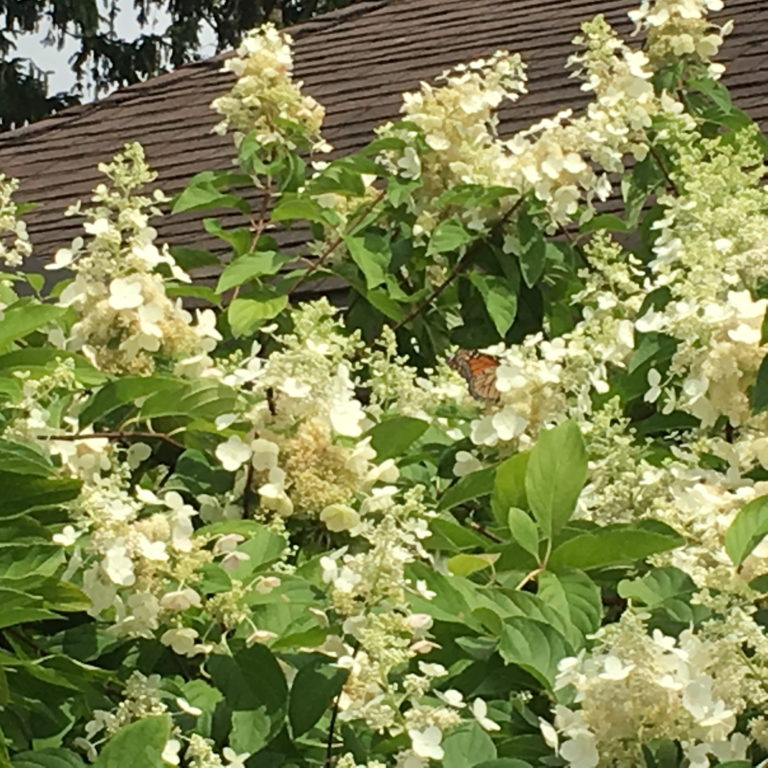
332,725
259,226
120,435
662,167
483,531
331,247
528,577
248,492
415,311
457,267
332,732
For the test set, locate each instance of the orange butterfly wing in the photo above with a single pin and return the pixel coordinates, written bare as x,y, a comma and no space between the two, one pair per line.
479,371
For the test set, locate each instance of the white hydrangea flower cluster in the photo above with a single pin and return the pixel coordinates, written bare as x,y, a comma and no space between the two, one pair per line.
710,256
689,688
369,590
141,698
14,239
144,697
622,484
458,123
265,99
200,753
676,28
306,452
701,504
566,159
556,158
397,387
38,396
136,557
348,761
124,313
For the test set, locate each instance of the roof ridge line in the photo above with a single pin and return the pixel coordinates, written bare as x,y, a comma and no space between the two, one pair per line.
128,93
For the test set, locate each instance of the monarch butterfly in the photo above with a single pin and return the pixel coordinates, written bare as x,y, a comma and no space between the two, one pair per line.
479,371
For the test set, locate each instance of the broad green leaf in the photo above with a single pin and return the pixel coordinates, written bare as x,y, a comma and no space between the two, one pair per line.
451,601
466,746
23,529
534,646
523,530
57,595
18,561
557,469
24,459
202,695
22,319
193,258
399,190
668,590
606,221
291,207
196,473
615,544
39,361
202,198
760,583
240,238
248,266
509,487
662,753
21,494
342,177
448,236
500,300
251,730
573,594
392,437
254,688
381,300
246,315
759,394
123,391
465,565
138,744
449,535
654,349
250,680
313,691
203,191
205,293
510,603
533,248
198,399
48,758
263,547
504,762
19,608
468,488
714,90
371,253
646,177
747,529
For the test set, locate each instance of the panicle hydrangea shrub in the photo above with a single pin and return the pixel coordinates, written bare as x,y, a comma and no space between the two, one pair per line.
275,533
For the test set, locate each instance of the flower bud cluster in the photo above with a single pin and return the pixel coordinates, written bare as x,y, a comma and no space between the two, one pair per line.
266,101
124,313
14,239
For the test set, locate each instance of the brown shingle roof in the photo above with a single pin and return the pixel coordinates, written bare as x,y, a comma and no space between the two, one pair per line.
356,62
